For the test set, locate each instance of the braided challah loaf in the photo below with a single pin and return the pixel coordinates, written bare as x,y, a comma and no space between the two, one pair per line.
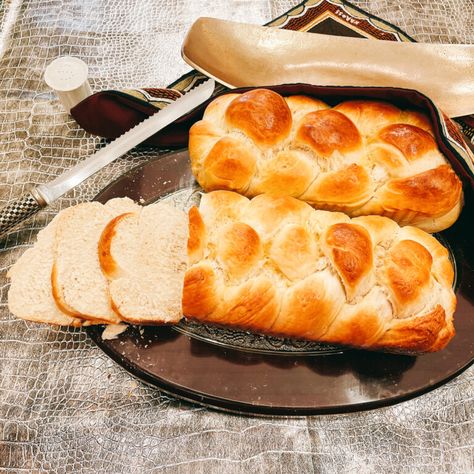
360,157
276,266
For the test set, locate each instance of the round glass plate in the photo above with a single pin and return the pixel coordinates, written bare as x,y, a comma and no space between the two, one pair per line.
248,373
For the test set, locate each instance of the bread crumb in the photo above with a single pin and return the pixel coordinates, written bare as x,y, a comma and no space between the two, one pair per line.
113,330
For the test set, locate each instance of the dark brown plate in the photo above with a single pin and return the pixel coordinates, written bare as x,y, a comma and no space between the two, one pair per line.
284,380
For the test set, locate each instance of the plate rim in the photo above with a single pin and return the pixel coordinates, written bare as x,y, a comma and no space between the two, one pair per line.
234,406
222,404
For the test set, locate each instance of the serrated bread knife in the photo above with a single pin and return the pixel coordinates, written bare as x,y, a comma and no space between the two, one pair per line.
44,194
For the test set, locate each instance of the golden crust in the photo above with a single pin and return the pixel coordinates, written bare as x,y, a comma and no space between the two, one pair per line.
350,249
342,189
238,249
412,141
294,252
357,329
408,267
442,268
201,135
300,105
262,114
219,105
418,119
369,115
276,266
429,193
381,229
197,235
287,173
361,157
309,307
200,296
230,165
309,104
418,334
362,324
107,263
253,305
220,207
266,212
327,131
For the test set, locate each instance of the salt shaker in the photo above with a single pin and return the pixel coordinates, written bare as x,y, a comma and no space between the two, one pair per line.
68,77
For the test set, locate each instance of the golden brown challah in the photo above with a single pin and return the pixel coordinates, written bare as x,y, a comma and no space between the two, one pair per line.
360,157
275,265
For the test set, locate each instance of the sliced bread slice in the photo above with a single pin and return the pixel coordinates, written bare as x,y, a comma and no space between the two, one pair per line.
144,256
30,294
78,283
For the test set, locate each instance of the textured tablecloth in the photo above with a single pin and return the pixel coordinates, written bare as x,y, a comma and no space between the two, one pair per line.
66,407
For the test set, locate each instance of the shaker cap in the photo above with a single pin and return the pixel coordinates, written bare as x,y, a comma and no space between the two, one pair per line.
68,77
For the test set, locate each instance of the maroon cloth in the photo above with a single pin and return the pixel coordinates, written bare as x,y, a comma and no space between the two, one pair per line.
111,113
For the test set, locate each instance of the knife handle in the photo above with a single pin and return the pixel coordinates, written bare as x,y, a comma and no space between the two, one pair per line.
19,210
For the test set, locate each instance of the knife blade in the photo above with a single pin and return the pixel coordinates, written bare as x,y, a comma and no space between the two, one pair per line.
44,194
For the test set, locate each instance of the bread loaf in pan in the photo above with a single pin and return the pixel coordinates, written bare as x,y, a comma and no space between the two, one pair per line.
360,157
274,265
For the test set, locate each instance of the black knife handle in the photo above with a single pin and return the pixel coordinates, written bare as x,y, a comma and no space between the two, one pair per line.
19,210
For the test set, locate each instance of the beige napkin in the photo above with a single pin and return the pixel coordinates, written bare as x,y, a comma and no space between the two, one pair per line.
239,55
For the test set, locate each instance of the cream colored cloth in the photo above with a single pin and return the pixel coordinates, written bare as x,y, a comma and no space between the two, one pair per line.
239,55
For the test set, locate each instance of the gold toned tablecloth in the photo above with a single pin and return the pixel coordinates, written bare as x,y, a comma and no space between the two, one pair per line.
66,407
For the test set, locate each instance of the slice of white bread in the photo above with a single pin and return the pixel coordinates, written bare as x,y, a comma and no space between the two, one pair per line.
79,287
30,296
144,255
